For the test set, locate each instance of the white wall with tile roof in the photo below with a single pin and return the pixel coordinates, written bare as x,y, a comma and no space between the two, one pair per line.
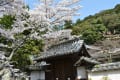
110,74
37,75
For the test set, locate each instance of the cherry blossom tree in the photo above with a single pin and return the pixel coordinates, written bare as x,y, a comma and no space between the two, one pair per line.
13,20
17,24
17,31
53,13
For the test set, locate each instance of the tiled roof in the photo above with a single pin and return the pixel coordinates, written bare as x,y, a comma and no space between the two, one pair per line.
33,67
102,56
38,66
65,48
107,66
88,60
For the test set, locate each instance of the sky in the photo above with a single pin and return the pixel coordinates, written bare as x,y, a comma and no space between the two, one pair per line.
90,7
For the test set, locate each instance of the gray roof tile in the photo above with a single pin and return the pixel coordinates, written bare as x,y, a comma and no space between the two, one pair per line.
107,66
65,48
89,60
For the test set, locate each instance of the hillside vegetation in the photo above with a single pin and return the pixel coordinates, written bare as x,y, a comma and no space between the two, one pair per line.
94,27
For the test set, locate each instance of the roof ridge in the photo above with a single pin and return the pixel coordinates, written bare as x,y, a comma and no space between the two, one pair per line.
65,48
66,41
107,64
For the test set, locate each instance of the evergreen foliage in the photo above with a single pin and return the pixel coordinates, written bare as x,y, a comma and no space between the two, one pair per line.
6,21
22,56
94,27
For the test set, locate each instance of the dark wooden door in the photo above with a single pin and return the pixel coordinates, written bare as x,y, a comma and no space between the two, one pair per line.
69,70
59,71
64,70
56,71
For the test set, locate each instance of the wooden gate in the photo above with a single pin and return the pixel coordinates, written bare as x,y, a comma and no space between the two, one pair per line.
62,70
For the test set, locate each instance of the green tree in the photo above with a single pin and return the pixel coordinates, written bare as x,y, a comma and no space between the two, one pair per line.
78,22
30,46
18,34
117,8
91,30
95,26
76,30
90,36
6,21
112,22
68,24
22,56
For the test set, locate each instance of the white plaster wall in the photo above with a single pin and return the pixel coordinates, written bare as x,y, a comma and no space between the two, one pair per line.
111,74
81,72
37,75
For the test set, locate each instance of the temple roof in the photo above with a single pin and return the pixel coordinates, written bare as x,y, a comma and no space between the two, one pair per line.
64,48
86,59
38,66
107,66
89,62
